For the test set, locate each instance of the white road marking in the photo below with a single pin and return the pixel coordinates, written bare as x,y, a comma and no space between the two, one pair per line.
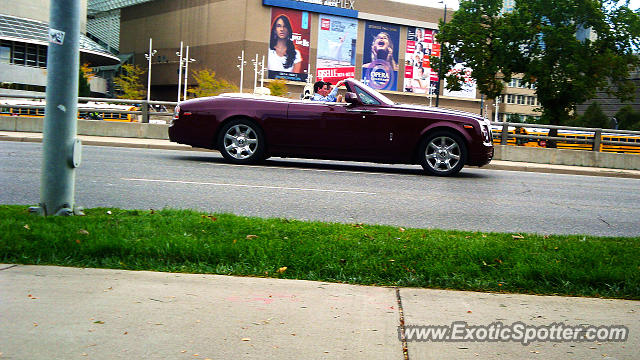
251,186
311,169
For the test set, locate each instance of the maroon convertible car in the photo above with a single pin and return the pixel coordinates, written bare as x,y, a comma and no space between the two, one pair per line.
366,127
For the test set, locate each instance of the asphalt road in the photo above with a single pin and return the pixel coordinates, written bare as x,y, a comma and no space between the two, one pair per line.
478,199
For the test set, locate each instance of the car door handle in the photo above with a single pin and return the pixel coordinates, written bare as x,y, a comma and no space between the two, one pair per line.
362,111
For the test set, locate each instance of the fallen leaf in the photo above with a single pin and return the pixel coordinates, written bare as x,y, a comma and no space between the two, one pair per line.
26,226
125,333
78,241
212,218
282,270
252,236
517,236
98,322
468,311
245,339
35,323
401,229
109,212
83,232
358,225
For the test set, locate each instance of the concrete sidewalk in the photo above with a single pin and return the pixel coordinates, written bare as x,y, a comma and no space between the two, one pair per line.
49,312
167,145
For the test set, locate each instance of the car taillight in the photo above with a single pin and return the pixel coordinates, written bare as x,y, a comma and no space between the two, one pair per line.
176,114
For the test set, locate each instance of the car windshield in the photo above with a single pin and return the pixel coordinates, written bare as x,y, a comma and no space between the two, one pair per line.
381,97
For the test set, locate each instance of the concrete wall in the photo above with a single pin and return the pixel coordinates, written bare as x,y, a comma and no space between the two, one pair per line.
90,127
503,152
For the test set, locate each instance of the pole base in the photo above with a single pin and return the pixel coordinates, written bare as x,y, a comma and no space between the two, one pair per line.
65,211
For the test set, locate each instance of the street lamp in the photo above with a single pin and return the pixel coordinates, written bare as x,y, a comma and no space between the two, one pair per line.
442,48
241,68
149,56
179,71
186,60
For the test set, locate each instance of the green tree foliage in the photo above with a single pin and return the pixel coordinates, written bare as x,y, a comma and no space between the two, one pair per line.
278,87
538,39
593,117
208,85
628,119
129,82
84,90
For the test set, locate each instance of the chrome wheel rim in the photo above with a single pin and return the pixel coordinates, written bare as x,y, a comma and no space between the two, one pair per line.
240,141
443,154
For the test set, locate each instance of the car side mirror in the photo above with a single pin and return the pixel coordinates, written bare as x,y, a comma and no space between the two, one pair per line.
351,98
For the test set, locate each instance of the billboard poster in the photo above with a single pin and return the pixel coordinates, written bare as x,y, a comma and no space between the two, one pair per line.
336,48
380,55
468,83
289,45
419,77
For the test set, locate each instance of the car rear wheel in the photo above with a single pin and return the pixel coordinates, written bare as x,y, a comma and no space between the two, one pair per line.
241,141
442,153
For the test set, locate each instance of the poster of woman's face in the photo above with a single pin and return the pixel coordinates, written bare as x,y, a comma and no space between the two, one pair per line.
288,44
380,55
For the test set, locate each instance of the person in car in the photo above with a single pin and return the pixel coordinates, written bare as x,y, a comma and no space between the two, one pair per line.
323,92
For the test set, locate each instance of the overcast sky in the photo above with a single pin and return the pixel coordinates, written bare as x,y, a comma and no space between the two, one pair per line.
634,4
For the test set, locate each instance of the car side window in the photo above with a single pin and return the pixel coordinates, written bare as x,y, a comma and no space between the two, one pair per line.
365,97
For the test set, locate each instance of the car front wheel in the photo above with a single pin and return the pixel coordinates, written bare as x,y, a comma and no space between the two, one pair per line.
241,142
443,153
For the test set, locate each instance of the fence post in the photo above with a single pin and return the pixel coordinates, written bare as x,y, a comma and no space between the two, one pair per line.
505,133
145,111
597,140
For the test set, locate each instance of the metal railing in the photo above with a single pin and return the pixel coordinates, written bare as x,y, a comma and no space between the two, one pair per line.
595,139
143,105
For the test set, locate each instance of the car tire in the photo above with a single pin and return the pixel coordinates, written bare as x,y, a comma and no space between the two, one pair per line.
241,141
442,153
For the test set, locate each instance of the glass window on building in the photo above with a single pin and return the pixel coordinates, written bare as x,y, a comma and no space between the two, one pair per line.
18,57
42,56
31,55
5,54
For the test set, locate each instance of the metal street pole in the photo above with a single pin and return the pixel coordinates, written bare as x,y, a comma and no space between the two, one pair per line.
149,56
255,74
179,71
442,47
241,67
61,150
186,73
262,73
187,60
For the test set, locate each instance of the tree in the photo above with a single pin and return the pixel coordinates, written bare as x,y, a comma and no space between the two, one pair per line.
538,40
130,83
84,90
278,87
208,85
628,119
593,117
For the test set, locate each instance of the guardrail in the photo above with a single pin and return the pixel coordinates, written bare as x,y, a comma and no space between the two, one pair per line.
144,105
145,112
595,139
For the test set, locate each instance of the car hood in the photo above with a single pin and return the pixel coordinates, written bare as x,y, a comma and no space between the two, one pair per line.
435,110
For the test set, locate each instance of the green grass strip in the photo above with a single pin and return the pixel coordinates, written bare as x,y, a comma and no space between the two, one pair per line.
195,242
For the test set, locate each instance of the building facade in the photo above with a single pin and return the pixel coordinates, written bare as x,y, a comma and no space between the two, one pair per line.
382,42
24,41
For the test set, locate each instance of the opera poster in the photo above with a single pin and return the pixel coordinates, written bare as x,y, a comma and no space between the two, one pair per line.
380,55
419,76
289,44
336,48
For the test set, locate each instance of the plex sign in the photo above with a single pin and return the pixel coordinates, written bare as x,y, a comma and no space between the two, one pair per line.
344,4
344,8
